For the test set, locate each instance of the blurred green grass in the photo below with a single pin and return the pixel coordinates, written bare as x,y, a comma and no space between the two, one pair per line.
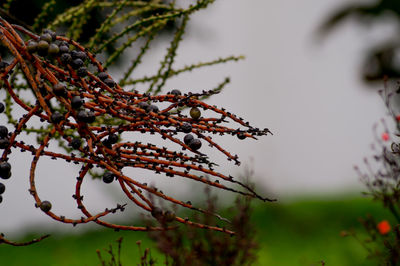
300,232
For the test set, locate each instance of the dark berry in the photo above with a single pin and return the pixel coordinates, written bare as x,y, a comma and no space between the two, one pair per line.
109,82
195,113
59,89
188,138
3,131
52,34
42,47
241,135
45,206
77,63
82,116
46,37
31,46
2,188
5,169
90,117
64,49
102,75
176,92
76,143
152,108
76,102
143,105
195,144
112,138
4,143
2,107
82,71
56,117
66,58
1,199
108,177
78,54
53,49
186,128
107,143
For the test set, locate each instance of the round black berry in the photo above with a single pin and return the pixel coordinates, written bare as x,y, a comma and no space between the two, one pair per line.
2,107
76,143
3,132
241,135
195,113
52,34
82,71
77,63
31,46
59,89
188,138
78,54
46,37
53,49
195,144
2,188
90,117
4,143
5,170
76,102
82,116
66,58
56,117
143,105
176,92
112,138
64,49
1,199
45,206
186,128
102,75
152,108
109,82
108,177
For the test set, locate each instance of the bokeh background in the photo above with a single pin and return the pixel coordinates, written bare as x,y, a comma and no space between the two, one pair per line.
308,88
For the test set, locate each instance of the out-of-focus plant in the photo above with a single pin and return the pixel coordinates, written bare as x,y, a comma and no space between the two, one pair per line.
383,59
68,96
381,175
193,246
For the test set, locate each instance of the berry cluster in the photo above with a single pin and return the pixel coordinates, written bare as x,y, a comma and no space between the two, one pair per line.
5,167
93,112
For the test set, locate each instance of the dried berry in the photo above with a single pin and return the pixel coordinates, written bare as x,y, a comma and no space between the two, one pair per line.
59,89
2,188
102,75
76,143
45,206
188,138
76,102
53,49
176,92
108,177
4,143
56,117
109,82
195,113
31,46
3,131
186,128
195,144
